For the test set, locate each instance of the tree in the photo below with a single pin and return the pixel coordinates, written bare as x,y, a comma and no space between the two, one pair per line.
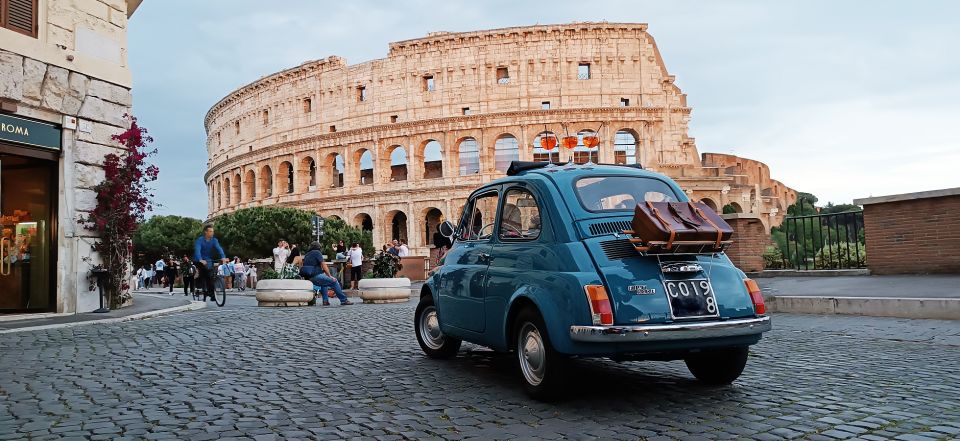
161,236
335,230
254,232
123,198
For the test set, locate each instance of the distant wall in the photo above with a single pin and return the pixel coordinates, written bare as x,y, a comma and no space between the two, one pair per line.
914,233
750,238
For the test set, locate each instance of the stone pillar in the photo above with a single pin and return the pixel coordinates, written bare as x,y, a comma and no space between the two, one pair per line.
750,239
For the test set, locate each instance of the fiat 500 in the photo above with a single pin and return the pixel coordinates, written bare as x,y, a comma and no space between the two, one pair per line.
541,267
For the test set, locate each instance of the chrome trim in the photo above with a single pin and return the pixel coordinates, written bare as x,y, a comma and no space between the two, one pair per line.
671,332
680,267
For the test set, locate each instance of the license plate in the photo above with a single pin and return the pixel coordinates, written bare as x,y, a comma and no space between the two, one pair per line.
691,298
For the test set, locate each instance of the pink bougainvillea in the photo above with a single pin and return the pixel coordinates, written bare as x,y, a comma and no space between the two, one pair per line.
123,199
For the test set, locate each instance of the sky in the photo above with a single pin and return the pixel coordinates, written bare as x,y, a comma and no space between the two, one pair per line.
842,99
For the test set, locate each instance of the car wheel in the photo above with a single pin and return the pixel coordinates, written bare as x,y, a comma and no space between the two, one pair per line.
432,340
542,368
718,367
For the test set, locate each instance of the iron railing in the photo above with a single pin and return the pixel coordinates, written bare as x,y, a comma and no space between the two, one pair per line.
824,241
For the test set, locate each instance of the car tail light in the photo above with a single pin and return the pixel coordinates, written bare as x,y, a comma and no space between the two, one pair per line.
755,296
599,302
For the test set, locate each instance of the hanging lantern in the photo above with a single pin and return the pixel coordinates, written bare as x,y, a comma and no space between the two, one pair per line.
591,141
569,142
548,142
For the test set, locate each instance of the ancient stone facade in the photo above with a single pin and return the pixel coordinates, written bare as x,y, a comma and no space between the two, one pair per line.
398,143
72,73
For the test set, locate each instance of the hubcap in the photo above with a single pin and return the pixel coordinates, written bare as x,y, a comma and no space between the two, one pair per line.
531,353
430,328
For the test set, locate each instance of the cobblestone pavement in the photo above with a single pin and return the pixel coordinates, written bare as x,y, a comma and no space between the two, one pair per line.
356,372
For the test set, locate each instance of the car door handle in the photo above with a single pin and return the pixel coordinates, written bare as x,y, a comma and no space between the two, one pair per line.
485,256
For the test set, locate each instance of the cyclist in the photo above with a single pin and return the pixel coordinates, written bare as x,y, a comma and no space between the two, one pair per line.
203,249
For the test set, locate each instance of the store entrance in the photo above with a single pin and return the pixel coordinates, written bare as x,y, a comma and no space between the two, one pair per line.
27,218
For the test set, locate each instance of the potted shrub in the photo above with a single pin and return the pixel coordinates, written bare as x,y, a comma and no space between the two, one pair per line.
384,287
274,290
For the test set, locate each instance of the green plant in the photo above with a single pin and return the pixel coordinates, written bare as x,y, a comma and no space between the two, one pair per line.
335,230
841,255
772,257
386,265
161,236
269,274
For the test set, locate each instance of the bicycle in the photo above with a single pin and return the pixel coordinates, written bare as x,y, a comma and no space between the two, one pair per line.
215,280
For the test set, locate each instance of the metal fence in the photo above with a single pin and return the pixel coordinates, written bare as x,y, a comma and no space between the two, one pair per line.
824,241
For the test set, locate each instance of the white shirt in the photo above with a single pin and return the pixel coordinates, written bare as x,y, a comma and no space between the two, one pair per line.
280,258
238,268
404,251
159,265
356,256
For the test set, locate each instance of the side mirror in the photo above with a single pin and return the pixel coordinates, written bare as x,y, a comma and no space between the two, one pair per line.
448,229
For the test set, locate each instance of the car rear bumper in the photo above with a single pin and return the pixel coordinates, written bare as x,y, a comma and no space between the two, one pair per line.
675,331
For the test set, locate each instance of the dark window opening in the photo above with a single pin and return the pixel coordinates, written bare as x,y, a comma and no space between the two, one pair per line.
583,71
428,84
503,75
307,105
624,102
361,93
545,105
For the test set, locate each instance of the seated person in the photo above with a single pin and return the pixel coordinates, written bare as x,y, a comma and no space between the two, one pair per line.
316,270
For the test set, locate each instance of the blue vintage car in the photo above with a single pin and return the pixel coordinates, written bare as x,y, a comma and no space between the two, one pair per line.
541,267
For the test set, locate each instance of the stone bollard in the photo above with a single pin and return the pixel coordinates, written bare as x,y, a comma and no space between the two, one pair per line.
395,290
284,292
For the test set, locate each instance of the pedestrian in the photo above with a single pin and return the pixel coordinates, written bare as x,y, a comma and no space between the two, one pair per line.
341,250
239,274
170,271
251,275
228,274
403,251
394,247
280,254
159,270
148,275
294,257
355,258
188,272
442,243
140,272
316,270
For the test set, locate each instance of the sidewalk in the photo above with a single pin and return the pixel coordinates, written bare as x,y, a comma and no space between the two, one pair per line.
905,296
145,305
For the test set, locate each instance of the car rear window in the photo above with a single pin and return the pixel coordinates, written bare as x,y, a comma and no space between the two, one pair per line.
616,193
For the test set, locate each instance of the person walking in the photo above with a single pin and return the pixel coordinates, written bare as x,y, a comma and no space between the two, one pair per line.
239,274
280,254
355,257
170,272
251,275
148,276
158,274
188,272
140,271
316,270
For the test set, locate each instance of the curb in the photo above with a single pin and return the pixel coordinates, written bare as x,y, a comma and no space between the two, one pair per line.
910,308
194,305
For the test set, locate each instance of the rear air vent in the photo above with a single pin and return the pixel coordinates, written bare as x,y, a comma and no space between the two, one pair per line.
609,227
618,249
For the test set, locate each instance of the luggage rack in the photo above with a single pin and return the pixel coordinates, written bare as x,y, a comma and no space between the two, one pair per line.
676,247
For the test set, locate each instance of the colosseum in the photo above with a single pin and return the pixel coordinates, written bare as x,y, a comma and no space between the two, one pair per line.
395,145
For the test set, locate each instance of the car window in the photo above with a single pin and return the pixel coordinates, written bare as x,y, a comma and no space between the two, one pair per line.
479,223
610,193
520,218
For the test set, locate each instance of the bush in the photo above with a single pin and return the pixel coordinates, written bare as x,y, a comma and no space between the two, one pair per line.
841,255
386,265
253,232
772,257
335,230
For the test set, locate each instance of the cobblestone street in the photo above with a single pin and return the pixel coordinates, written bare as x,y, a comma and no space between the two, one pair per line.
339,373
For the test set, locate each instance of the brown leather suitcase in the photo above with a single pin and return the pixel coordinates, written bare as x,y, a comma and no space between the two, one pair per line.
668,225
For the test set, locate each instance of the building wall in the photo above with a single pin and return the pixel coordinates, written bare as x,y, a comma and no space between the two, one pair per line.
913,234
750,239
75,67
259,129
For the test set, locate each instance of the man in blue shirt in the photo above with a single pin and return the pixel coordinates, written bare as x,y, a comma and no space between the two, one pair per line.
203,249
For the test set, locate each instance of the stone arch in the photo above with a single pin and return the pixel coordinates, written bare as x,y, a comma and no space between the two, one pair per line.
397,226
625,146
332,173
710,203
468,154
250,185
363,221
266,181
506,149
732,207
546,147
395,158
432,154
431,218
227,192
307,174
363,162
285,177
236,188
